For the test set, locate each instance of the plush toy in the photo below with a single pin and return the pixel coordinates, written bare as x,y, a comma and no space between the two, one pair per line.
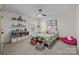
72,40
50,32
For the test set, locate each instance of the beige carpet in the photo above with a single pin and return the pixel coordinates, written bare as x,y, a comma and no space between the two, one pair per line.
24,48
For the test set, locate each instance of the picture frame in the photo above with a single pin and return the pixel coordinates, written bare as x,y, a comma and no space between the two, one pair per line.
49,23
54,22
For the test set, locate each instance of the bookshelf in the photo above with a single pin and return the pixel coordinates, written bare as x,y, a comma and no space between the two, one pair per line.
19,30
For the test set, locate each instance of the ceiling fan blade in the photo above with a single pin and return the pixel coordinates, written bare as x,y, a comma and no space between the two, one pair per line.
40,10
43,14
40,13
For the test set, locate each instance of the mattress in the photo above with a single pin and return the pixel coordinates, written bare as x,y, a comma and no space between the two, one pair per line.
48,37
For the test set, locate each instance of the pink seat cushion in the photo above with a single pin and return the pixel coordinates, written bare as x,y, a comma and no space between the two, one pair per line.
73,41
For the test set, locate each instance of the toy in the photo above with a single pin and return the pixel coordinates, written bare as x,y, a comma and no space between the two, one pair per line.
71,41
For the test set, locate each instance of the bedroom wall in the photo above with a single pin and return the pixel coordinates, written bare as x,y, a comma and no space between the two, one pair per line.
65,15
7,25
77,25
1,6
7,22
65,23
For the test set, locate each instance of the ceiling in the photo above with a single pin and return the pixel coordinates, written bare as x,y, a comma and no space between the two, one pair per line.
31,9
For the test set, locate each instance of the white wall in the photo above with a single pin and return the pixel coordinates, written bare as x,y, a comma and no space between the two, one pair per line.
65,15
66,23
77,25
7,24
0,6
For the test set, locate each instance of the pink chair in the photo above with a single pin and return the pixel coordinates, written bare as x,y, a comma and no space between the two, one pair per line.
72,42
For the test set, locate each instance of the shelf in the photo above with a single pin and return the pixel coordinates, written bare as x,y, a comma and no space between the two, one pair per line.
18,23
16,19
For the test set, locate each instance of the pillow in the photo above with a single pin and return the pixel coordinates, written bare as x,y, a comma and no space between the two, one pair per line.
52,31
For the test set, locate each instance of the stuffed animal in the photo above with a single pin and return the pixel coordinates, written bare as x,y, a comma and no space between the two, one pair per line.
72,40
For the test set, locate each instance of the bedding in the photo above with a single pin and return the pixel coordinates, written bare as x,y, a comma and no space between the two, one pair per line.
51,38
48,38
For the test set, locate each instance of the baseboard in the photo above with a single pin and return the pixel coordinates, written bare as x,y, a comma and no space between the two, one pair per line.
77,49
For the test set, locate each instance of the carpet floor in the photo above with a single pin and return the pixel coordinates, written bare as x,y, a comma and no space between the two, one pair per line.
25,48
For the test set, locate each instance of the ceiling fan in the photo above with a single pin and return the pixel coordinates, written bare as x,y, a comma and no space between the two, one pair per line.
40,12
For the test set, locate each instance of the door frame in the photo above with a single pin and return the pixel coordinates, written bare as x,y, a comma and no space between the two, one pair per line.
1,32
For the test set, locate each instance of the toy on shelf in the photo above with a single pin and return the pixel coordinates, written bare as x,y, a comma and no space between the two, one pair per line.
18,19
19,34
71,41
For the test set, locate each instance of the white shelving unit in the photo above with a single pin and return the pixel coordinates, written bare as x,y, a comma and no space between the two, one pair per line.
20,25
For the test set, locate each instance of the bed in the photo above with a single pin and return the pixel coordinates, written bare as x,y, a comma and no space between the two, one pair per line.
49,37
